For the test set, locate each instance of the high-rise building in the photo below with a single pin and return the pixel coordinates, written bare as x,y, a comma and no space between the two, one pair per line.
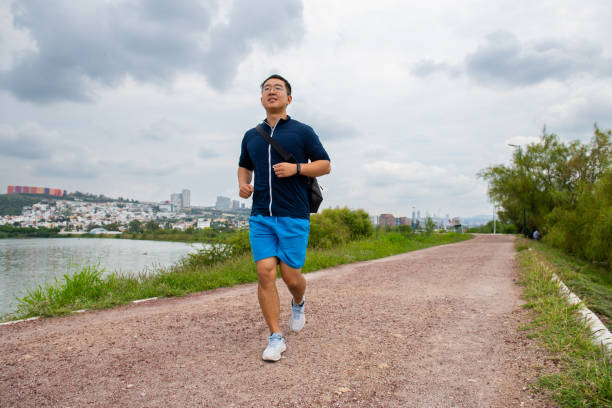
223,203
177,200
186,198
235,205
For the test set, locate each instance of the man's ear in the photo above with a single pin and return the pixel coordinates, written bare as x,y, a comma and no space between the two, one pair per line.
289,99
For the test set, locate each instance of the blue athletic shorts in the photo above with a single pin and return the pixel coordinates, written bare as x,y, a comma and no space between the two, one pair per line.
283,237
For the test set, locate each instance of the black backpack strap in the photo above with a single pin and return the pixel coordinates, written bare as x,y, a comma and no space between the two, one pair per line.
288,157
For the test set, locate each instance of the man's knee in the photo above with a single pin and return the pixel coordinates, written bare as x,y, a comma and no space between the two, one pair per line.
266,271
293,277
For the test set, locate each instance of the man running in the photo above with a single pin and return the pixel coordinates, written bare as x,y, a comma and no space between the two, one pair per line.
280,215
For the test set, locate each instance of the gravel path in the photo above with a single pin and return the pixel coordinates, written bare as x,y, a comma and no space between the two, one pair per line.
431,328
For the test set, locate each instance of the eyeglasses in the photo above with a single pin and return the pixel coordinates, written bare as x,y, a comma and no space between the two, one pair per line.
276,88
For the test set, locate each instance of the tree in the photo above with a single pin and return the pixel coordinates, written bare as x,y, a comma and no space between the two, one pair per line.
151,226
562,189
544,176
430,225
113,226
135,227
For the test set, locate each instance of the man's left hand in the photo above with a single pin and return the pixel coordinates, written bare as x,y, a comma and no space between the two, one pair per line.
285,169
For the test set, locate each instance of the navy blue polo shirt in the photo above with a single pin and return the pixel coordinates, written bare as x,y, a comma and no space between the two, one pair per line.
287,196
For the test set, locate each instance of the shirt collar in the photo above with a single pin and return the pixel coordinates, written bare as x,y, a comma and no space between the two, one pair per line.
281,121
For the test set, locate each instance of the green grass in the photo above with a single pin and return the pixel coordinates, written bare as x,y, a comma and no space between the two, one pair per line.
591,283
584,378
87,289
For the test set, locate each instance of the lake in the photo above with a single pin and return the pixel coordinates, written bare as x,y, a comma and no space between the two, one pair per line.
28,263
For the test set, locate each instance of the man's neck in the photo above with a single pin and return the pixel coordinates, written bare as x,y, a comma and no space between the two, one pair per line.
272,117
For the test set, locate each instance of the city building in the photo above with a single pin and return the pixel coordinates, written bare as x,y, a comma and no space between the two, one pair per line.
223,203
176,200
166,206
203,223
34,190
386,219
186,198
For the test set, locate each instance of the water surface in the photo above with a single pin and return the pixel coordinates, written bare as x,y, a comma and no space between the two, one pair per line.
28,263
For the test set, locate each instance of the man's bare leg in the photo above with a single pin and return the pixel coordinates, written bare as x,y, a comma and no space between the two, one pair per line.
297,286
267,292
295,281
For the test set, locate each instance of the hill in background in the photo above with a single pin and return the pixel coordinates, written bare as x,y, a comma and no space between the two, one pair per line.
12,204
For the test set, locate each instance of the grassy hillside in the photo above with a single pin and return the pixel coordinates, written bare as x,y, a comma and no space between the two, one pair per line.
11,204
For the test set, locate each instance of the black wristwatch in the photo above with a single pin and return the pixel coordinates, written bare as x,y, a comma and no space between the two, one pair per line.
299,168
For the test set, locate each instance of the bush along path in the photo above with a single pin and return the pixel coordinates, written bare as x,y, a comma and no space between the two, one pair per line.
434,327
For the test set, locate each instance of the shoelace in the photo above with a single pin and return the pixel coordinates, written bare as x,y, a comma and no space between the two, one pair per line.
274,340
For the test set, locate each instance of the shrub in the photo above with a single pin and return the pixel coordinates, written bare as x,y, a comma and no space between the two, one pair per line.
221,250
337,226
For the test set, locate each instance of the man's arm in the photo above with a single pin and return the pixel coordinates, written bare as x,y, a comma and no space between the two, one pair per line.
313,169
244,182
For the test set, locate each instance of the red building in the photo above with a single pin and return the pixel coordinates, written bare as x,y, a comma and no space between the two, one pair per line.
35,190
386,219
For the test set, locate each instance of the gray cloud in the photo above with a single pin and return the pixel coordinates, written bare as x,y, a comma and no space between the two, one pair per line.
162,130
80,45
328,128
275,23
206,153
132,168
80,169
428,67
503,59
332,130
28,142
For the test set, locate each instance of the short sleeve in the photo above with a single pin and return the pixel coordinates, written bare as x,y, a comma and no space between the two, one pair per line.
314,149
245,159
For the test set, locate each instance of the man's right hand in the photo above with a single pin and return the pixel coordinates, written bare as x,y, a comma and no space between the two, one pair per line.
246,190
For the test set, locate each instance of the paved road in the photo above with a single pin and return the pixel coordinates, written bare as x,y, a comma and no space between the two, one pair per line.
431,328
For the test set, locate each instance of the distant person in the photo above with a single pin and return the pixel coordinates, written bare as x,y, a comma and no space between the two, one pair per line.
536,235
280,217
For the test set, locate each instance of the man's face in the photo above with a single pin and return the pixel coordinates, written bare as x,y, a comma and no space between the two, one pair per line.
274,96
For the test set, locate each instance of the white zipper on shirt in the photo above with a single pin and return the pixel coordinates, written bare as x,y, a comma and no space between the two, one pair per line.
270,169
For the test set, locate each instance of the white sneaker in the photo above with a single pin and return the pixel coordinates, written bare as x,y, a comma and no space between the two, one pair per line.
298,318
276,345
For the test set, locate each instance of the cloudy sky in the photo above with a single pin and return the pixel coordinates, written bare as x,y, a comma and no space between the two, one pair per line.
142,98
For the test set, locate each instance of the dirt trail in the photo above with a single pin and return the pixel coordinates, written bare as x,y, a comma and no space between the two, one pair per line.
432,328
